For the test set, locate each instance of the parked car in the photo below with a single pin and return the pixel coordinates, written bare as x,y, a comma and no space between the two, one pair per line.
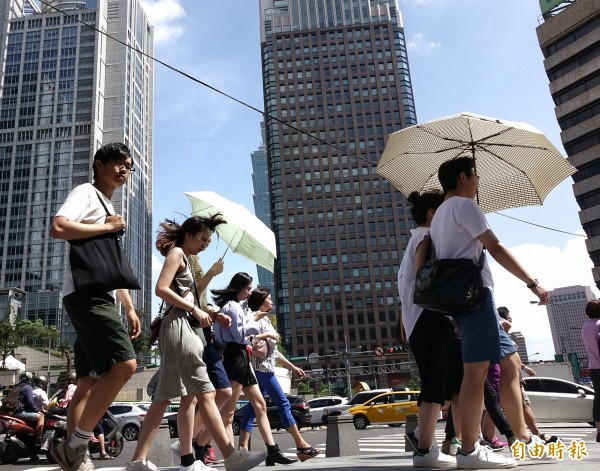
172,421
171,416
300,412
359,398
559,400
129,417
388,408
319,406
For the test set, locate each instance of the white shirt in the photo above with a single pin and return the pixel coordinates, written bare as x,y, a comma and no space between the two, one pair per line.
82,205
40,398
454,230
406,280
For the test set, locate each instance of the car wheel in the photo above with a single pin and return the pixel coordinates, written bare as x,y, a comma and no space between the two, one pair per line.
235,427
298,421
130,432
172,431
324,420
360,422
395,425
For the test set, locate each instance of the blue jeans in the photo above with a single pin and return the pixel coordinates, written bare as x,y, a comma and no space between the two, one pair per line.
268,384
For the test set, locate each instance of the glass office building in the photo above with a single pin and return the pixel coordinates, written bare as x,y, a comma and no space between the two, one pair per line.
67,89
336,78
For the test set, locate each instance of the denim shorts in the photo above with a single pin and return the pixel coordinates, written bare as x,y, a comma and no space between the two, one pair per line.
214,367
483,339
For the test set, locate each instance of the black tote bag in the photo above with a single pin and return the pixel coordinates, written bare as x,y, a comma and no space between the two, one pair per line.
98,263
450,286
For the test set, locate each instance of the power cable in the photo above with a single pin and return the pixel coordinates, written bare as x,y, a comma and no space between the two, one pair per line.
204,84
253,108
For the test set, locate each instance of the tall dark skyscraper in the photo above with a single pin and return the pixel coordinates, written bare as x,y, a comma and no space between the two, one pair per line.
66,91
570,41
337,70
262,208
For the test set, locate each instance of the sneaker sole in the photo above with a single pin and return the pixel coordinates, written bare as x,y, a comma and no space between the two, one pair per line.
487,465
435,465
250,463
63,464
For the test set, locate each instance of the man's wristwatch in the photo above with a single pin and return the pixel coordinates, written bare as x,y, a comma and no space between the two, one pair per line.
534,284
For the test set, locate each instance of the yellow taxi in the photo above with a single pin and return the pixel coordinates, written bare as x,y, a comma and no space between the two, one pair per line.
388,408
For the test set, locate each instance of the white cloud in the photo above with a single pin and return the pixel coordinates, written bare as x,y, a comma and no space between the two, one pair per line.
420,43
163,15
555,267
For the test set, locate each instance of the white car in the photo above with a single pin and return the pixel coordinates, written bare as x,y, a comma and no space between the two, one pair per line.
319,405
558,400
359,398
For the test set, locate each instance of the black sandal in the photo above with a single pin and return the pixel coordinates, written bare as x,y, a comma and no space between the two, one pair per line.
307,452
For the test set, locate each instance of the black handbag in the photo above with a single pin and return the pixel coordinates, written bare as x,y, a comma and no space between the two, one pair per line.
450,286
98,263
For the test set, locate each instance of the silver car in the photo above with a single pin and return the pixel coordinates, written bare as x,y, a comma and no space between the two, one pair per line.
129,417
558,400
319,405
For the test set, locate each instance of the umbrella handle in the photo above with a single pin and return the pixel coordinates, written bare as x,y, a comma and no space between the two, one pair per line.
223,256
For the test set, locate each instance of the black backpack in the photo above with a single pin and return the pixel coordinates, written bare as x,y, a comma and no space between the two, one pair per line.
10,402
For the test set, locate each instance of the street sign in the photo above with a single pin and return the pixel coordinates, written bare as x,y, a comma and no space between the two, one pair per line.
378,350
313,357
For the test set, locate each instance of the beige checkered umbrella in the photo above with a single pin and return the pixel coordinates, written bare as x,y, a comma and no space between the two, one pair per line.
517,165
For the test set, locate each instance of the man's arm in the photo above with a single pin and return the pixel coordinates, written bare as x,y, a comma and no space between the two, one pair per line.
65,229
507,260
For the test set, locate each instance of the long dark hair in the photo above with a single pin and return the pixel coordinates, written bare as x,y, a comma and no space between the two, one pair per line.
171,234
239,282
258,296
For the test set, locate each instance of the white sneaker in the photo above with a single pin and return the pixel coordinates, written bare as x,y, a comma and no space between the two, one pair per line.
243,460
483,458
197,466
175,447
141,465
533,448
434,459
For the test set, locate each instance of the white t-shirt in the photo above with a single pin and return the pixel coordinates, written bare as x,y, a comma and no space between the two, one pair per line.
406,280
82,205
40,398
454,230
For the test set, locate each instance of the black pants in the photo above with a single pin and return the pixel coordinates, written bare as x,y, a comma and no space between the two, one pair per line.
490,400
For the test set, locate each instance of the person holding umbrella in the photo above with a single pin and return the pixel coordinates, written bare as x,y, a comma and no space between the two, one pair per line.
431,338
181,347
460,230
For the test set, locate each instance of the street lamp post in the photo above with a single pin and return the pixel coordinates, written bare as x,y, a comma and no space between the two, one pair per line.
347,358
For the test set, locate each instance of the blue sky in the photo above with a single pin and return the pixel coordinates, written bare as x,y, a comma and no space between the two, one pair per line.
465,55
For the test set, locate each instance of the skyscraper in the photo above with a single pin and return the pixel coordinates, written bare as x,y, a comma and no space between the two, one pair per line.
260,183
566,313
67,90
569,39
518,338
337,71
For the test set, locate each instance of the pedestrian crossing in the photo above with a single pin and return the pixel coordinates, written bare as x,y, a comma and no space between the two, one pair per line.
374,440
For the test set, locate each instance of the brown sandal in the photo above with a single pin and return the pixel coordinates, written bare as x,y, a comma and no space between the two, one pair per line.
307,452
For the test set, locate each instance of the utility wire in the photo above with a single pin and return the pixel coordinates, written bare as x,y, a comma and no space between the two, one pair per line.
539,225
253,108
194,79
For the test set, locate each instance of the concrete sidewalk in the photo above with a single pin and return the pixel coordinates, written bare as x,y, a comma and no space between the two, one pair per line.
403,461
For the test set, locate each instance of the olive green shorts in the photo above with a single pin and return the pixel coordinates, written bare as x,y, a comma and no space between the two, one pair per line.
101,337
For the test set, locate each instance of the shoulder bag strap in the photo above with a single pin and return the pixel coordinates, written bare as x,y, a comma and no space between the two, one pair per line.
103,205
